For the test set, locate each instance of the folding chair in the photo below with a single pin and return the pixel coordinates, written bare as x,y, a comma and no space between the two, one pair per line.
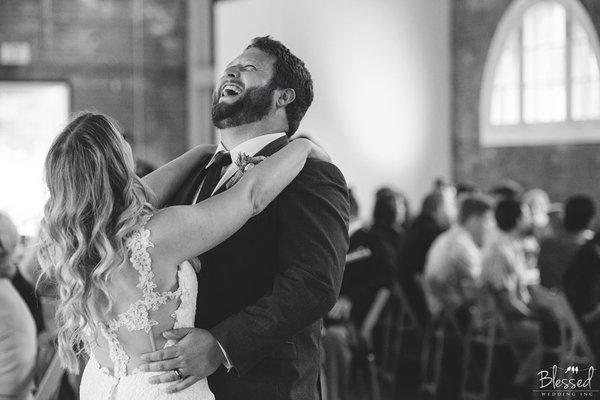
486,329
435,337
578,348
433,349
373,316
396,324
574,347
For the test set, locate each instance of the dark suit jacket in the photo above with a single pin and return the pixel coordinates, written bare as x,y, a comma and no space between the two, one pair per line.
262,292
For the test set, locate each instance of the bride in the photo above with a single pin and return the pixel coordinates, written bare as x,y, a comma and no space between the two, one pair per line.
119,260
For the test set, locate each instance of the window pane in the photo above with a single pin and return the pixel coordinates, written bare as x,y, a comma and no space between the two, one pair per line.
544,72
585,80
24,143
505,102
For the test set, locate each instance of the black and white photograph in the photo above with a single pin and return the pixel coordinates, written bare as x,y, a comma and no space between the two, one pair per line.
299,199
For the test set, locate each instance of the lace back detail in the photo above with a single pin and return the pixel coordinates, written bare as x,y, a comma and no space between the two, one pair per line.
137,317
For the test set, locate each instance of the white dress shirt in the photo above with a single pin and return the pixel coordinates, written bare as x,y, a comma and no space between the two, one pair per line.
250,147
454,263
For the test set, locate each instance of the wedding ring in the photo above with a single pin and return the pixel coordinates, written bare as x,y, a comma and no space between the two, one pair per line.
178,373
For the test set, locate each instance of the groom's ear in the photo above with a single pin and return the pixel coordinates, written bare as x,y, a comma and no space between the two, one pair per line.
285,97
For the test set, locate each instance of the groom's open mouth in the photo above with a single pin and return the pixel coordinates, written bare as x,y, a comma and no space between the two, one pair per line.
230,91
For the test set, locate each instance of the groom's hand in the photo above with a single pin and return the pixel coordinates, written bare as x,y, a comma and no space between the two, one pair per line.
196,354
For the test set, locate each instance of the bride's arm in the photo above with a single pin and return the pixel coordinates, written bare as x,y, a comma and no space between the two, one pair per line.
187,231
168,178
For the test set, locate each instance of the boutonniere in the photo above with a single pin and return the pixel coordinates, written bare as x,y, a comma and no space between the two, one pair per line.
244,163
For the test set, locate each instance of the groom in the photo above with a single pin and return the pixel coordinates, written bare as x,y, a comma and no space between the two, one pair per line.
262,293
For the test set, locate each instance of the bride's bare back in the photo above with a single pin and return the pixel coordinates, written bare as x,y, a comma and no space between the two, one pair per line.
148,293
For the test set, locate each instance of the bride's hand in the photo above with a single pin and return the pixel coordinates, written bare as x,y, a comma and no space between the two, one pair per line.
316,151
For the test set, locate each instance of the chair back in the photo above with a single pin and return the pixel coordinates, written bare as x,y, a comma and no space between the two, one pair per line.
576,347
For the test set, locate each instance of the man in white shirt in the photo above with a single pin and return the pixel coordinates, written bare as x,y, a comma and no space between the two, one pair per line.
263,292
453,264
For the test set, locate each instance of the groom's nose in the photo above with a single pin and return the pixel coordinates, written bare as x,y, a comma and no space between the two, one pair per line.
232,72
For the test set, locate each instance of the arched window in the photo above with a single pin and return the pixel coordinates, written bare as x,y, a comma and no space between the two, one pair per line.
541,82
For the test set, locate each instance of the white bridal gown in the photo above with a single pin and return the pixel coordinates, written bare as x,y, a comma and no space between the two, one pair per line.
97,382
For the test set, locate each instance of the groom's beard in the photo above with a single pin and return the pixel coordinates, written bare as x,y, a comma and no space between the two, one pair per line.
253,106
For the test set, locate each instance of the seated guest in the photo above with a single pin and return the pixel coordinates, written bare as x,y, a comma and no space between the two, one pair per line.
507,189
506,274
558,249
465,189
538,203
363,278
453,264
582,285
403,217
431,222
384,238
555,218
24,282
18,346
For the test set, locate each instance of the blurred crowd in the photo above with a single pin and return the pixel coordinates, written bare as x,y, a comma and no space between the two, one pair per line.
466,254
466,258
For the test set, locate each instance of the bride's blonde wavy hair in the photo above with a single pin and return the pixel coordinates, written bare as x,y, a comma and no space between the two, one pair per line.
96,200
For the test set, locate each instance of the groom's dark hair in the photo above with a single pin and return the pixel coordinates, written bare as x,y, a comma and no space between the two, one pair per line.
288,72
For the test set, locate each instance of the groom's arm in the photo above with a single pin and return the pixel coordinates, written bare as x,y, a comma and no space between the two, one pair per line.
312,243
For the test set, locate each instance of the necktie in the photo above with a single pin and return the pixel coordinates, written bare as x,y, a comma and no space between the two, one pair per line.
213,175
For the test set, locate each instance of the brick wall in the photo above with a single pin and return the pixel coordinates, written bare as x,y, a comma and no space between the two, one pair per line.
123,58
561,170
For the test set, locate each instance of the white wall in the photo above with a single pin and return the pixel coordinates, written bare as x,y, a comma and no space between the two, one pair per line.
381,70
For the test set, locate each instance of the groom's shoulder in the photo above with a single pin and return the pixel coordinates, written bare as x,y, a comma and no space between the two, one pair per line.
319,170
318,175
319,190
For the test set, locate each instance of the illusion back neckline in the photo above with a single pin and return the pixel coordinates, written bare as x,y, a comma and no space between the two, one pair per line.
137,316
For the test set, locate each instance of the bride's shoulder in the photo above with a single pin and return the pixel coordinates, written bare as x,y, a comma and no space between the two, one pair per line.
151,232
157,224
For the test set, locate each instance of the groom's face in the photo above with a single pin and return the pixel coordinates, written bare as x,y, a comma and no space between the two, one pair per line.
244,93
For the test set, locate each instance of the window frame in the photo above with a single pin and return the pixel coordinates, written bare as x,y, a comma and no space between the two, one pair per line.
535,134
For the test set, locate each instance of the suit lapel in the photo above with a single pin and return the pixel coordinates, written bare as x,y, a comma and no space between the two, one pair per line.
192,183
266,151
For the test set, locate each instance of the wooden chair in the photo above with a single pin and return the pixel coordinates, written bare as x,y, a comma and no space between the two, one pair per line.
574,345
397,323
439,329
372,318
435,338
492,333
366,332
486,329
577,347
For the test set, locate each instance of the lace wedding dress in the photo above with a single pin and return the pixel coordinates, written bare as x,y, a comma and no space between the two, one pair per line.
97,382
